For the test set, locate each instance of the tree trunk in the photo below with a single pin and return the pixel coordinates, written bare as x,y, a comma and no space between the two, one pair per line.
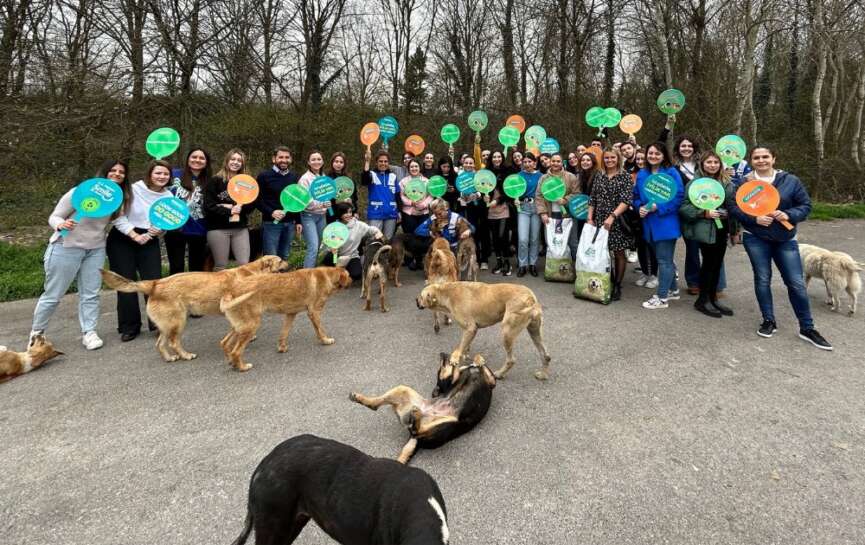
821,55
610,64
507,29
857,142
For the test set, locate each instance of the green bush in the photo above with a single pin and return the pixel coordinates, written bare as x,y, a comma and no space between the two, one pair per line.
828,211
21,272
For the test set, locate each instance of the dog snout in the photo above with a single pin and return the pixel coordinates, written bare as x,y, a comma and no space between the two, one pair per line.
419,302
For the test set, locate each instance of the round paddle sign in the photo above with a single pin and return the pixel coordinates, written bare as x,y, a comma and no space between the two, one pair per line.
415,189
516,121
95,198
322,188
334,235
550,146
388,127
295,198
631,124
671,101
731,149
509,136
757,198
478,121
466,182
369,134
578,207
415,145
613,116
168,213
162,142
553,189
658,189
485,181
596,117
514,186
344,188
243,189
707,194
436,186
535,135
450,133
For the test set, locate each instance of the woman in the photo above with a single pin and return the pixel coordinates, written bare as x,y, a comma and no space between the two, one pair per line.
446,220
699,225
447,171
225,236
189,184
587,173
348,255
515,167
413,214
766,240
381,209
476,212
573,162
313,216
428,168
133,245
528,220
547,210
645,252
498,215
78,256
660,223
339,168
610,199
685,153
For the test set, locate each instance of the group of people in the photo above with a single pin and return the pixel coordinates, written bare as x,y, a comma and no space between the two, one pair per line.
612,176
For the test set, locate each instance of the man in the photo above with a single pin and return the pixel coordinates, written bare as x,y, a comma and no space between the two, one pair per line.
629,151
278,226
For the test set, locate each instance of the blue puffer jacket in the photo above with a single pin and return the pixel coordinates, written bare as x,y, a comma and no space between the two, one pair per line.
795,202
662,224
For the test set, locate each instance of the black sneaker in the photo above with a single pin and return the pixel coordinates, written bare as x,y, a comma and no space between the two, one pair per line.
521,272
506,269
533,270
815,338
767,329
497,269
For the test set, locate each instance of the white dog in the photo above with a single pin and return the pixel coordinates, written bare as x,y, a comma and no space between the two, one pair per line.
838,270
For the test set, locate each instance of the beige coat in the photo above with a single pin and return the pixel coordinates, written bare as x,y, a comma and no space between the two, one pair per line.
572,187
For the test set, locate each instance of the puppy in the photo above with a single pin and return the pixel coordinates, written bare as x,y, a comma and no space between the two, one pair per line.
395,258
475,305
306,290
13,364
172,299
352,496
440,265
460,400
376,256
838,270
467,255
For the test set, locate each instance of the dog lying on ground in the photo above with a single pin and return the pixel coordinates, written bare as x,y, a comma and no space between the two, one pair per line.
305,290
460,400
440,265
475,305
13,364
467,255
171,299
354,498
837,270
376,256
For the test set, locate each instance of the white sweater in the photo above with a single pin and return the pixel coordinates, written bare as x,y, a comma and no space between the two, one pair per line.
138,215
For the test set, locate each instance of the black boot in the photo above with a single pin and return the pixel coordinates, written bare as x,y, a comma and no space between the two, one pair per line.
497,269
506,268
617,292
720,307
701,305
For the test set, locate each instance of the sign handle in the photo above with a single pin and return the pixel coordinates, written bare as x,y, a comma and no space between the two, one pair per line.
718,223
451,151
76,218
384,144
787,224
277,221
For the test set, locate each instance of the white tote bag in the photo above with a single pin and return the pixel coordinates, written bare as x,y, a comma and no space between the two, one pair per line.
593,280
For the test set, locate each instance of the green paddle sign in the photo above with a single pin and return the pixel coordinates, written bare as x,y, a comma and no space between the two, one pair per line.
450,133
553,189
613,116
294,198
162,142
707,194
478,120
514,186
344,188
335,235
437,186
415,190
596,117
658,189
485,181
731,149
508,137
671,101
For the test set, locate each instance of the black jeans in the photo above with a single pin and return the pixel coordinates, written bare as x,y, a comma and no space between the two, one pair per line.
710,268
354,267
500,231
136,262
648,259
175,246
417,246
477,214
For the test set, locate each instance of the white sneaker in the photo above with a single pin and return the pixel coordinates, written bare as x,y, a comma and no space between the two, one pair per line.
641,281
652,282
91,341
655,303
33,334
632,256
484,266
673,296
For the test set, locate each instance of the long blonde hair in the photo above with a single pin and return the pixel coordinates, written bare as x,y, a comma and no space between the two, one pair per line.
224,173
620,160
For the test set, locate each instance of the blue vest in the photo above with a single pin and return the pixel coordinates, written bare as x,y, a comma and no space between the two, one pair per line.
383,190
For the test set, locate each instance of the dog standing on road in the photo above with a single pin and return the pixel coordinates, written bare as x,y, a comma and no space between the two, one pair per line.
839,272
13,364
460,400
467,258
440,265
353,497
376,256
475,305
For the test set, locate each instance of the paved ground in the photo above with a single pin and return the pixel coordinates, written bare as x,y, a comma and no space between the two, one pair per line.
656,427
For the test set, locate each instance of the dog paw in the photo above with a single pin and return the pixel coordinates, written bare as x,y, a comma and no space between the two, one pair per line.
242,367
367,308
385,309
499,375
436,328
353,397
328,341
282,349
189,356
541,375
172,359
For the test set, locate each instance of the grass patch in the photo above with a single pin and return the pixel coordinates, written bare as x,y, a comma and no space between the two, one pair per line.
826,211
21,271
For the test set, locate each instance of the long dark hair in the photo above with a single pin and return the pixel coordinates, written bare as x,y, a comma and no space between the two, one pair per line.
587,177
450,176
332,172
125,186
681,138
661,147
186,179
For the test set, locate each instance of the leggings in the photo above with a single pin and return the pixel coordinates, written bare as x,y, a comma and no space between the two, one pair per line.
225,241
175,246
500,230
648,260
710,268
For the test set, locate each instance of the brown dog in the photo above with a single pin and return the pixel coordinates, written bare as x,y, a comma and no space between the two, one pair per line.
396,256
467,255
13,364
376,256
172,299
475,305
440,265
306,290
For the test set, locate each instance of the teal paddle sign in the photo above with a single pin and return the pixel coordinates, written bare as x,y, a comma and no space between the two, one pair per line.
95,198
437,186
415,190
450,133
478,120
335,235
731,149
535,136
294,198
658,189
388,127
344,188
515,186
323,189
578,207
550,146
671,101
707,194
162,142
466,182
168,213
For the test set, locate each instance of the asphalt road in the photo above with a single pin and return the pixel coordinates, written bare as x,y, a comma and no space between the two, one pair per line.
656,427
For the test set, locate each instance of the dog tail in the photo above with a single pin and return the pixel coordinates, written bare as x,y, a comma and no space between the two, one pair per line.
228,301
125,285
383,249
247,529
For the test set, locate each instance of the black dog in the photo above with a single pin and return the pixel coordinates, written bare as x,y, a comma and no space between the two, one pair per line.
460,400
355,498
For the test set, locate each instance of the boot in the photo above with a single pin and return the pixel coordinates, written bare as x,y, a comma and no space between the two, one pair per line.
617,292
506,268
701,305
497,269
720,307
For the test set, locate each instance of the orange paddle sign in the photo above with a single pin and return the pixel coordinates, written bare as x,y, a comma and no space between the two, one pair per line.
415,145
369,134
599,155
243,189
516,121
757,198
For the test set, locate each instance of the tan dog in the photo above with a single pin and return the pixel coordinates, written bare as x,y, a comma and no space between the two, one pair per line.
172,299
467,255
838,270
376,256
440,265
306,290
13,364
475,305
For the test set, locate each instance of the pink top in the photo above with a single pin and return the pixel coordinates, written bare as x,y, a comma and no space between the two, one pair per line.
420,208
314,206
